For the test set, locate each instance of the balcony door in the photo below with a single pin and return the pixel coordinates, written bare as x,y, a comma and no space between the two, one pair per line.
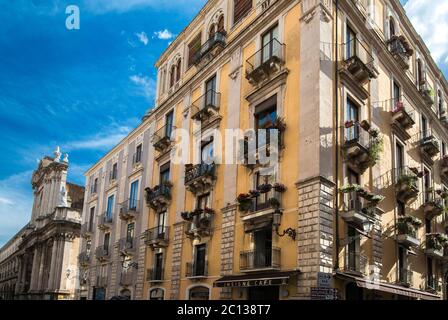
133,196
106,242
92,216
353,250
263,248
397,95
158,266
352,115
130,231
350,43
110,207
161,218
425,132
207,152
353,198
269,44
265,119
199,265
169,121
165,173
210,89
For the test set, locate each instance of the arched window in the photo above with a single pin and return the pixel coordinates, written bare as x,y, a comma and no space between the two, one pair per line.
211,32
156,294
221,24
199,293
178,69
172,75
391,27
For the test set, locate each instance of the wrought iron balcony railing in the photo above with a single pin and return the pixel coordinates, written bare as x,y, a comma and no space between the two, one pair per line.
400,50
406,184
210,48
260,259
199,177
129,209
405,277
157,237
206,106
161,139
359,61
432,283
159,196
105,220
84,258
102,252
433,205
429,145
265,62
154,274
197,269
127,245
355,262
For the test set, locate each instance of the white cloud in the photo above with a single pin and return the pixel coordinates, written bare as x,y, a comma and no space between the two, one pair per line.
146,86
102,141
164,34
430,19
142,37
6,201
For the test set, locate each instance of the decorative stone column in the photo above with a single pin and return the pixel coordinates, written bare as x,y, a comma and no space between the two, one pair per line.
315,232
227,246
176,265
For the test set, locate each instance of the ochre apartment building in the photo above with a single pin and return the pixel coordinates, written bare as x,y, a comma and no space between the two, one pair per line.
354,208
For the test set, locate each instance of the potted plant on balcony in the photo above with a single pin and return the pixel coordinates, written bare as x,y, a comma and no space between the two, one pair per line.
280,124
279,187
365,125
244,202
186,215
254,193
349,124
274,203
436,241
264,188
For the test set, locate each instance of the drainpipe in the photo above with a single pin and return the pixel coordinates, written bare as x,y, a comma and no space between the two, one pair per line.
336,87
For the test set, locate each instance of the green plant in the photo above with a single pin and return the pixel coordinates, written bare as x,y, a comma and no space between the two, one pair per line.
375,150
350,188
274,202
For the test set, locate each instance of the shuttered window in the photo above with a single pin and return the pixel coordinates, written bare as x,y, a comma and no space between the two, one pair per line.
193,49
240,9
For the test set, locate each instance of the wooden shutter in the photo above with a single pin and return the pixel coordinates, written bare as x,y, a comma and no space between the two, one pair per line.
193,48
240,9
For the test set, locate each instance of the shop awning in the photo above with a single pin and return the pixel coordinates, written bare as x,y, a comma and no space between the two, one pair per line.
261,279
389,288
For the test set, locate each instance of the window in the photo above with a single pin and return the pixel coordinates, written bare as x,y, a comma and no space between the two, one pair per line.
399,156
178,69
95,186
353,178
133,195
158,266
165,173
91,217
138,154
221,24
402,264
262,201
203,201
207,152
350,39
172,75
193,48
425,132
265,119
426,184
163,80
161,221
210,90
269,44
110,207
130,231
199,266
397,95
240,9
352,133
353,249
113,173
156,294
263,247
440,102
421,73
391,27
106,242
169,118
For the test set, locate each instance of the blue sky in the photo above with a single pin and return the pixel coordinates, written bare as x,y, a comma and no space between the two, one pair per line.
86,89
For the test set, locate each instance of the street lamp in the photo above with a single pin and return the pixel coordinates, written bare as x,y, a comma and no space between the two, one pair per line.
276,221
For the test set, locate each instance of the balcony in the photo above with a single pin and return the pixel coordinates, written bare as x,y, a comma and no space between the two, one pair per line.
105,221
127,278
359,63
429,146
157,237
154,275
206,107
84,258
101,281
427,94
434,205
360,207
159,197
406,186
402,117
361,148
265,62
210,49
129,209
87,229
198,223
407,227
435,244
161,140
200,177
256,260
102,253
127,246
401,51
356,263
405,277
137,160
444,167
432,284
197,269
